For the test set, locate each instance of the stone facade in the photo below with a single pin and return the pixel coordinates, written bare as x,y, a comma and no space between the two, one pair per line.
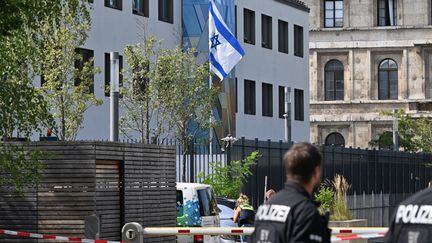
361,46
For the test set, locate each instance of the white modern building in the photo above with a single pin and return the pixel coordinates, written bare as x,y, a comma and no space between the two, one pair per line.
274,34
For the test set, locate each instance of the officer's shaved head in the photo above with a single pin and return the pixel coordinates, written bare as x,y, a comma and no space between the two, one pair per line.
300,162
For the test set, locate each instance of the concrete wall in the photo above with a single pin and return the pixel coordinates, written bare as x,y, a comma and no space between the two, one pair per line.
271,66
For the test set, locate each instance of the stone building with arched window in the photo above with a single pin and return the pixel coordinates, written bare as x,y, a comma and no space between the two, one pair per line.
367,56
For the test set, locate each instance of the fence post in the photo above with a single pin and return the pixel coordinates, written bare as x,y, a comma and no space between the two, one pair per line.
132,233
192,161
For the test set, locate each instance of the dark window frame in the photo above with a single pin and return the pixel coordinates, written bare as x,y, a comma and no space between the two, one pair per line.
249,26
298,105
384,20
267,99
119,7
333,18
144,11
107,60
298,41
249,97
283,36
281,91
266,31
335,69
86,54
389,72
166,15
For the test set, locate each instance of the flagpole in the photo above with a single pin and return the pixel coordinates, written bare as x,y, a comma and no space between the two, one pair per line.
210,87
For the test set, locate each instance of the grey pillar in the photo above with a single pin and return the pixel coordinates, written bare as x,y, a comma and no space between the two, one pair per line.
132,233
114,95
395,131
287,114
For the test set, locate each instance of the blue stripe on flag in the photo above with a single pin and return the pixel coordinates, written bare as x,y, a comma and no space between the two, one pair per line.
217,65
226,34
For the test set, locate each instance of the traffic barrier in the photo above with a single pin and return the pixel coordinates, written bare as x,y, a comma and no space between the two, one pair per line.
54,237
358,230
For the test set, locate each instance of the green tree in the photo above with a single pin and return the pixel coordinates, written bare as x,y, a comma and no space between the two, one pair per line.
184,98
227,181
141,115
415,133
67,88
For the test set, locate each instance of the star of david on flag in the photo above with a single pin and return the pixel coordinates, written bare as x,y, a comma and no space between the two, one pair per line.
224,49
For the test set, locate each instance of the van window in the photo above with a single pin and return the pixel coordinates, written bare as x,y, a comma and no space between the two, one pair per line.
207,201
179,204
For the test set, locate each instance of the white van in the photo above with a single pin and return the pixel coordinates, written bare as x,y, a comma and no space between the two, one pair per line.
196,207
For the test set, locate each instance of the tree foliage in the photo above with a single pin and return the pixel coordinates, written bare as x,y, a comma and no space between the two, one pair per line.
415,133
67,88
227,181
141,115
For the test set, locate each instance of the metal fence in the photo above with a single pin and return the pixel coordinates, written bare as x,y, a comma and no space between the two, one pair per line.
368,171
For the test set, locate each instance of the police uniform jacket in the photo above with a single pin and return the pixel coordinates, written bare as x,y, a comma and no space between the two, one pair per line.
290,216
412,220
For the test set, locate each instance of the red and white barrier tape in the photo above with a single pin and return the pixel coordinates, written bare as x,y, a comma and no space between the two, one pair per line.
356,237
53,237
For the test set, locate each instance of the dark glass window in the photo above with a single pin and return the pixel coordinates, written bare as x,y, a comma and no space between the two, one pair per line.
334,80
281,101
86,56
283,36
249,26
298,105
298,41
387,12
249,96
117,4
333,10
166,9
140,7
388,80
266,32
335,139
267,99
108,73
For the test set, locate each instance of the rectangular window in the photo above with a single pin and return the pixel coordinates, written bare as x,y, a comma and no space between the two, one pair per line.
166,9
283,36
298,41
236,95
108,73
249,26
116,4
281,101
387,12
298,105
266,32
333,10
87,55
140,7
267,99
249,96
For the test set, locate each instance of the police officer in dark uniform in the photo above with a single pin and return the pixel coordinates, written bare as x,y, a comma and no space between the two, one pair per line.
412,220
291,215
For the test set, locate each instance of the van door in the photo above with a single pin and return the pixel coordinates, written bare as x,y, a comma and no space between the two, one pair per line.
209,211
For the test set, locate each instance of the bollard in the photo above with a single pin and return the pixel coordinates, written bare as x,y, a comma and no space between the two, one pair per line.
132,233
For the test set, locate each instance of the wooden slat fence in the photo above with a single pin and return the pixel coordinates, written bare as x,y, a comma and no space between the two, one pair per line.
117,182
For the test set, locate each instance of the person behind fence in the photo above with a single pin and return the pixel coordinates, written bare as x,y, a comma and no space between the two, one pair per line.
243,213
412,220
291,215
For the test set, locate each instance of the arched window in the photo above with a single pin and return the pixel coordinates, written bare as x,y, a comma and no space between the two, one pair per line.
334,80
388,80
335,139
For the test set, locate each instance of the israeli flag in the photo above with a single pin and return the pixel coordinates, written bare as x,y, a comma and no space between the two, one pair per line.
224,49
